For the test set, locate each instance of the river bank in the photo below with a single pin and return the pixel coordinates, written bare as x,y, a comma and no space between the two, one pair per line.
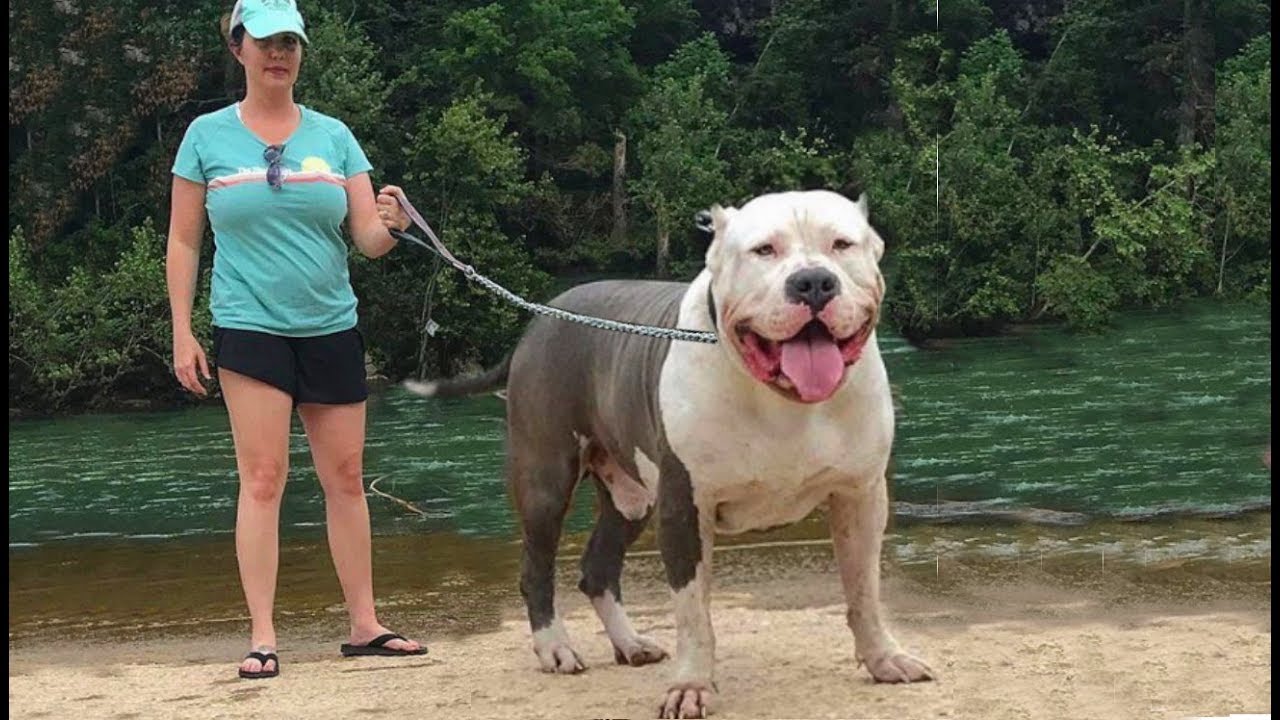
1144,633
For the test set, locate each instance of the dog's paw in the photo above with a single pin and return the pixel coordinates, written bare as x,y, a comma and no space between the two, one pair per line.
899,667
641,651
559,658
686,700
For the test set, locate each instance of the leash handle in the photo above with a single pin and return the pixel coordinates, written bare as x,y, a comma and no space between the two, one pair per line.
416,218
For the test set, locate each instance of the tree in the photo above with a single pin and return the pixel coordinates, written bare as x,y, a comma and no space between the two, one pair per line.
1244,170
466,172
678,130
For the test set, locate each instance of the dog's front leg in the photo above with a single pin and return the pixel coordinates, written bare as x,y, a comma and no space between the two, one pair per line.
686,537
857,520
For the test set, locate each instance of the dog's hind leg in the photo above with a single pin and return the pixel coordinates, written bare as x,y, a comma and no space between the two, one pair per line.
602,579
542,492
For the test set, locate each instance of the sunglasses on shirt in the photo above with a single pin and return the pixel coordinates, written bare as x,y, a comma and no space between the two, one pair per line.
274,155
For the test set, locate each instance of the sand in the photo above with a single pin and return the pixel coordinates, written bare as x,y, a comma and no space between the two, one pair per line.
1017,642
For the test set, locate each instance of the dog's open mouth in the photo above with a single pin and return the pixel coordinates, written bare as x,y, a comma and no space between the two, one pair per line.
809,365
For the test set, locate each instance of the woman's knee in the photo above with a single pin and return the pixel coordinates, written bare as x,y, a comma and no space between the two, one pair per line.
345,479
263,479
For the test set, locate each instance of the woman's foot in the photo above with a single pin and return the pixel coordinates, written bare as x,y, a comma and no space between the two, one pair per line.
376,636
260,663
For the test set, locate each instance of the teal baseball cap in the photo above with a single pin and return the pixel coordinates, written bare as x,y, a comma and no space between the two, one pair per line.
264,18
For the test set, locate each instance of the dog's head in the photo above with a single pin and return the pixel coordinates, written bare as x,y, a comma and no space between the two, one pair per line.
797,287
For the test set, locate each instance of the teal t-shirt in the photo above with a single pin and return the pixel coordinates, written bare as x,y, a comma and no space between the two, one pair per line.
280,260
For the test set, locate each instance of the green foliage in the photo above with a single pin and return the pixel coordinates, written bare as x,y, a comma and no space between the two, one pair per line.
1074,290
96,336
1242,232
1023,161
342,80
400,294
462,157
464,172
1138,221
678,130
700,58
660,27
966,270
559,68
790,160
825,64
1027,220
88,83
920,87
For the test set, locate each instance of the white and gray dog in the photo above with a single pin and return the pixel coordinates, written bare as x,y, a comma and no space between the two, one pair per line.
788,411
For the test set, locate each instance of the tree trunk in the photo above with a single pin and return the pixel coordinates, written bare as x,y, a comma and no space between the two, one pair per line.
619,188
425,332
1222,264
426,325
1195,110
664,251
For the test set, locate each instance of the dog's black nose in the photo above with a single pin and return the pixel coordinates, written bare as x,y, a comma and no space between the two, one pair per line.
813,286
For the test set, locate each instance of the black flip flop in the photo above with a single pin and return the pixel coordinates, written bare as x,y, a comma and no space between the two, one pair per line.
261,674
378,646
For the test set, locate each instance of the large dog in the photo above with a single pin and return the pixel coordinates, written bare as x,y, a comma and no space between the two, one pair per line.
789,410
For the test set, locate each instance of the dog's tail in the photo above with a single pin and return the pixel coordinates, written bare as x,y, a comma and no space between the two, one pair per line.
488,381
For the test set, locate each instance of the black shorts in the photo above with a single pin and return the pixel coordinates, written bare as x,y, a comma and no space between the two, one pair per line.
326,369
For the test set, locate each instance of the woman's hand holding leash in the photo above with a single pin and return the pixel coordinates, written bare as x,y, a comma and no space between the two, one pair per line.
390,212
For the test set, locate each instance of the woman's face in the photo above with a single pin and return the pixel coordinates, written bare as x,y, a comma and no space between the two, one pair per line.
271,61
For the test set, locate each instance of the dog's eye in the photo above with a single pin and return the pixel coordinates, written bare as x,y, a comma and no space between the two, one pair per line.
842,244
765,250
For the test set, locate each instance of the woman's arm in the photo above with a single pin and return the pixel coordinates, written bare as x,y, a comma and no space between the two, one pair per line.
182,264
370,218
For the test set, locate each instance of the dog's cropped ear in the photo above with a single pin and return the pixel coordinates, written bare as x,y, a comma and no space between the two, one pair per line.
702,220
716,221
862,206
720,217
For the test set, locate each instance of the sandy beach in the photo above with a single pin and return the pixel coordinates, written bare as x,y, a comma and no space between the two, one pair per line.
1012,639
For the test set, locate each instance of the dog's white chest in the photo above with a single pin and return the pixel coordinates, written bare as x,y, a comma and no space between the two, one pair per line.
772,480
761,463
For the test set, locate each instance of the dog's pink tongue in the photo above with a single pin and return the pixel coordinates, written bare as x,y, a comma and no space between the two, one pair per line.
813,364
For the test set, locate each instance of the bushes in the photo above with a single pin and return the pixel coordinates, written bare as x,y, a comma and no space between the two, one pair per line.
994,218
94,339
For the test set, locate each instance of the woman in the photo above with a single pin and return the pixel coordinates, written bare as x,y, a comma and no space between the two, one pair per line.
277,180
